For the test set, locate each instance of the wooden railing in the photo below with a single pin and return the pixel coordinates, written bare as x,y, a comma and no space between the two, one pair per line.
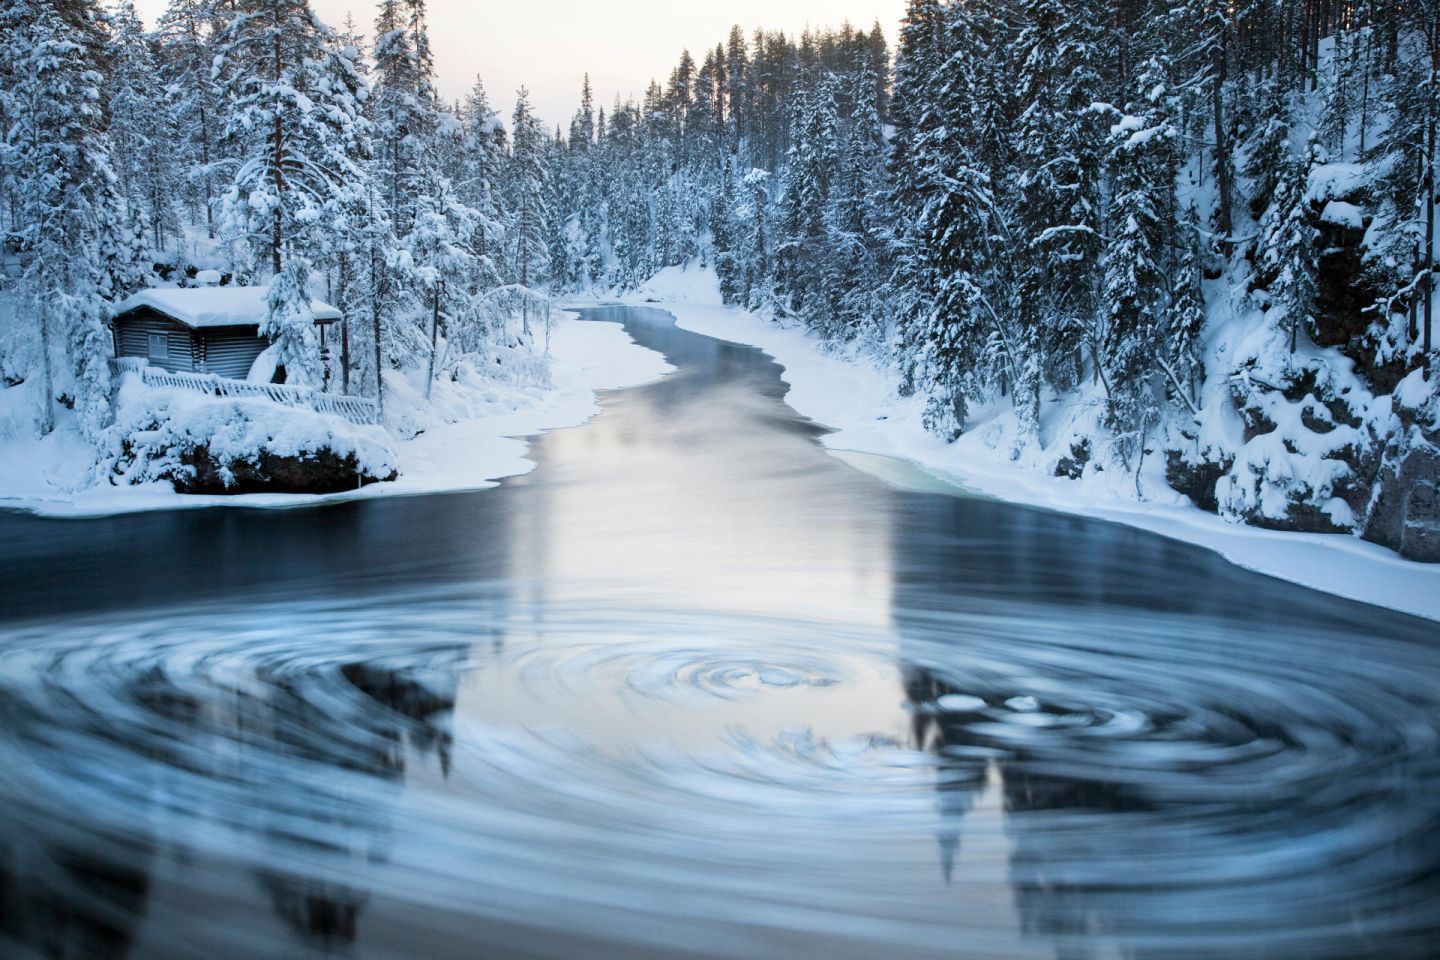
354,409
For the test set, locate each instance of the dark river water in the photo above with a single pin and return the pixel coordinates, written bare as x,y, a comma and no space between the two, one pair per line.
696,688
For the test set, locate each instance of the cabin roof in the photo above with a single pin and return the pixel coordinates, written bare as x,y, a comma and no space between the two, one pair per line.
204,307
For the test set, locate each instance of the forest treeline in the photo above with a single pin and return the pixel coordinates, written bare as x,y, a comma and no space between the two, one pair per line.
1203,230
1198,221
1037,193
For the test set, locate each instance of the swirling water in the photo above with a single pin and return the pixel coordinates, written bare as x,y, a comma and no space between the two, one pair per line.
695,687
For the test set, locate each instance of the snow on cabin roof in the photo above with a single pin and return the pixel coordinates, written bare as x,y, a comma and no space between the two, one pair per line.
201,307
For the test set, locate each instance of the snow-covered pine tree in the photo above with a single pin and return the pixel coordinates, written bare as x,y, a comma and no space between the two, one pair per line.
289,323
1205,29
1270,153
753,211
403,109
1288,248
529,223
1180,356
725,233
582,125
439,243
963,344
1144,165
141,135
913,283
483,155
289,128
62,203
805,264
340,250
291,131
1057,242
737,88
186,33
855,217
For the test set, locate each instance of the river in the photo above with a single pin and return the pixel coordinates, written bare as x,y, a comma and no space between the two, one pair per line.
695,687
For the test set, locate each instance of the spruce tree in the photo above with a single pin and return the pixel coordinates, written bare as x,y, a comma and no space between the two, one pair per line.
1058,241
63,207
1142,214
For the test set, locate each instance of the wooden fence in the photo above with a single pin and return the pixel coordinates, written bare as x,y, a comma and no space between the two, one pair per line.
354,409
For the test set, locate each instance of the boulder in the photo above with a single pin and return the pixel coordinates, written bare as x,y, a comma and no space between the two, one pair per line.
321,471
1073,466
1404,513
1196,480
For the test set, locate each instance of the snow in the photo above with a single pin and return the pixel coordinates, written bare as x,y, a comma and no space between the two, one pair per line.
474,453
684,284
202,307
1414,391
1335,180
858,400
1344,214
959,703
56,475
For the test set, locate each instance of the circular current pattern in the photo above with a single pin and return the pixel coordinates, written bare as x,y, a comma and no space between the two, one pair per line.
639,780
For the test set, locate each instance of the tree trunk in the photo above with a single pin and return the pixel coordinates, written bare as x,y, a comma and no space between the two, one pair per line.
434,342
1429,303
1365,89
343,289
1222,146
278,156
377,290
47,385
205,159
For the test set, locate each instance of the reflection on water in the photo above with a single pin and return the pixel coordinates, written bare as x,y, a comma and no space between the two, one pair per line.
694,687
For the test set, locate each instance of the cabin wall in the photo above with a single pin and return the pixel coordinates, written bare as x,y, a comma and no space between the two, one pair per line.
230,351
132,339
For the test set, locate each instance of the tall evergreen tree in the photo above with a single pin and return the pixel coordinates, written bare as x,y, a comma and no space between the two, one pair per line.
63,199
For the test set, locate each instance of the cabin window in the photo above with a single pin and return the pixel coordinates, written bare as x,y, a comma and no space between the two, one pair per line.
159,346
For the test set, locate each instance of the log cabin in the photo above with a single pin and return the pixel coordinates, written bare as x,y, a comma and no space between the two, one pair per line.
199,329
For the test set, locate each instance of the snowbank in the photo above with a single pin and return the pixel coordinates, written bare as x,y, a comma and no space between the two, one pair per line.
860,402
466,441
483,443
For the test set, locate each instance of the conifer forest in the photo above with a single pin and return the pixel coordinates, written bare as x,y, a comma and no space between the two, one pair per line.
920,479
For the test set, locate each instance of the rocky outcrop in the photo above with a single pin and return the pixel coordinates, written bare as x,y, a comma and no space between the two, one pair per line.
1073,466
322,471
1196,478
1317,453
1405,511
1342,290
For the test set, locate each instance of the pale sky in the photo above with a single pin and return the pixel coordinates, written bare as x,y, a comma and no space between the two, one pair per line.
549,45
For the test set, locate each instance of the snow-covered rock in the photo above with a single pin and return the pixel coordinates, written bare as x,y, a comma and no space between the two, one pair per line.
203,444
1343,214
1405,512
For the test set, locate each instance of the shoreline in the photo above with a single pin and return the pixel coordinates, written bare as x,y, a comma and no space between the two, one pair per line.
858,403
469,454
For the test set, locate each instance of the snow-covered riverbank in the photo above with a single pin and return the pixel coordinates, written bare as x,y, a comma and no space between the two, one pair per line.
860,402
55,475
